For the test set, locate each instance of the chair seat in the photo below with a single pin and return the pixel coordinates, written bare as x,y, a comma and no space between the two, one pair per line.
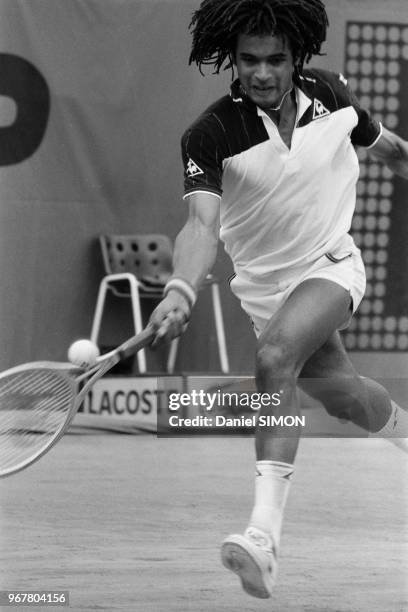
148,287
151,286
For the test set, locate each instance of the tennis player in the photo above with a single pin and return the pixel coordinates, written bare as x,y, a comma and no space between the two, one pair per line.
271,169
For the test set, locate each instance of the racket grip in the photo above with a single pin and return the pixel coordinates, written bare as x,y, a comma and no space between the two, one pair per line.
136,343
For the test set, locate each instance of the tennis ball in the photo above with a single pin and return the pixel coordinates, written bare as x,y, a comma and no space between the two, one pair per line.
83,353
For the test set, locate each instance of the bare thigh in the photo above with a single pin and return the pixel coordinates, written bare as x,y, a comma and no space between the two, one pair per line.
311,314
309,317
329,376
330,359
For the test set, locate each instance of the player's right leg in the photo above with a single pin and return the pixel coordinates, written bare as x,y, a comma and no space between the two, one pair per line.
330,377
315,309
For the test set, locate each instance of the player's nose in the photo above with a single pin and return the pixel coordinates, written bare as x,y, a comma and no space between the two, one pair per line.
262,73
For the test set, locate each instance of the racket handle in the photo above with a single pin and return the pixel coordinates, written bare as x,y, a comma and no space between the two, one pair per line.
136,343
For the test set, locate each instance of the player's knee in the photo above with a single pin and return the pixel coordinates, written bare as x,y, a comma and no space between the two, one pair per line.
337,404
274,360
360,400
345,400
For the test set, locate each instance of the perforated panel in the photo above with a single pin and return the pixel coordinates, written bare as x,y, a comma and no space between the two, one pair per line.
376,66
147,256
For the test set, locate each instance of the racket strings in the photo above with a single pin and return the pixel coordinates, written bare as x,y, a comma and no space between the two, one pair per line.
33,407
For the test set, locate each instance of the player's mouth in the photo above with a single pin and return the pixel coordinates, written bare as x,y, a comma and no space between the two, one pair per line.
263,91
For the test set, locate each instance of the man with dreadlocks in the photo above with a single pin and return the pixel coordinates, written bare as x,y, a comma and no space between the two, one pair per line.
271,169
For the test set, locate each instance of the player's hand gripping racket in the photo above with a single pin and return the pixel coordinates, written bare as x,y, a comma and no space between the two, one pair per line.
38,401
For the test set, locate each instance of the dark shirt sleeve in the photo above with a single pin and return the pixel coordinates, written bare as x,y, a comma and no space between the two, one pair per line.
368,129
202,162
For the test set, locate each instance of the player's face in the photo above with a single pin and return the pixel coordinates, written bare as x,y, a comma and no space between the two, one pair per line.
265,68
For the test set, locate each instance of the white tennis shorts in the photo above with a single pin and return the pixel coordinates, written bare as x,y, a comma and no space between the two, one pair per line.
261,299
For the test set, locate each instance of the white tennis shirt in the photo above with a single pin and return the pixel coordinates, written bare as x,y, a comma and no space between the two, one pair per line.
281,208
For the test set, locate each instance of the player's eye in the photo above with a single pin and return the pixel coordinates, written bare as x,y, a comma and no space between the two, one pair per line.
277,61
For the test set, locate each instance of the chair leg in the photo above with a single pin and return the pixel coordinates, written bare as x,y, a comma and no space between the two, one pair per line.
137,321
136,311
100,303
219,326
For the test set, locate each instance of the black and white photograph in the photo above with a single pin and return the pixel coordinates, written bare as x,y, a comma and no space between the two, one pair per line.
204,305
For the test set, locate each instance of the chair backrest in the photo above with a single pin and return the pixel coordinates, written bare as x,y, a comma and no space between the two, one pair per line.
147,256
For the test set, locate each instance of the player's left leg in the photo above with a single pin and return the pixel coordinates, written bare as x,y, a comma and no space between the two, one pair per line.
330,377
303,323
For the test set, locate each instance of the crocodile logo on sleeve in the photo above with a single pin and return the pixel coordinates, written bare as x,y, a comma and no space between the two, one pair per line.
193,169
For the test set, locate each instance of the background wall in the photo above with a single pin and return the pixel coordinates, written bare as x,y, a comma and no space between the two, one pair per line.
120,96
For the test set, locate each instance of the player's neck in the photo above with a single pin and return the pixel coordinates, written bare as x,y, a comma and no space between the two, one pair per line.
286,110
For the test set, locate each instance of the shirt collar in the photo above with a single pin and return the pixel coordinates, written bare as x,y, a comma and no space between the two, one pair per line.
239,96
303,102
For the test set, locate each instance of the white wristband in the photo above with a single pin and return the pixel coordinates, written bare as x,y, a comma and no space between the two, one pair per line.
183,287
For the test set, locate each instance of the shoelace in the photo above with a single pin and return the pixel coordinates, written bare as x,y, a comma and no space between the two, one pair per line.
260,539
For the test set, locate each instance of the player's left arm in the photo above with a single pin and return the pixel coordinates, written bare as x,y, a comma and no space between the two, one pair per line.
392,151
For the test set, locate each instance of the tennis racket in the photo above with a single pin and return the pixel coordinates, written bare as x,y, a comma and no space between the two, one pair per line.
38,401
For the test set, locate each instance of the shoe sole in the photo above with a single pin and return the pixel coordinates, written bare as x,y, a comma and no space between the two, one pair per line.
237,556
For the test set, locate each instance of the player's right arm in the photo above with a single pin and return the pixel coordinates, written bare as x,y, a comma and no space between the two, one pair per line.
194,255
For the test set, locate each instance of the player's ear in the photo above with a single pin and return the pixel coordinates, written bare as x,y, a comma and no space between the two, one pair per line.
296,74
297,68
233,51
232,63
296,56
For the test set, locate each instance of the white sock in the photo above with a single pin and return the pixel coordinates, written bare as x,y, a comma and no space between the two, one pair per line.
272,484
396,428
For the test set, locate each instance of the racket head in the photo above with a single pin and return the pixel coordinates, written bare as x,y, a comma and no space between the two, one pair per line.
37,403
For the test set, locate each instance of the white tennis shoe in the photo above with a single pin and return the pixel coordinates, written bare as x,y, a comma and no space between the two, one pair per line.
253,558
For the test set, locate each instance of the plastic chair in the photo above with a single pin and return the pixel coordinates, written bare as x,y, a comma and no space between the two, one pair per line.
137,267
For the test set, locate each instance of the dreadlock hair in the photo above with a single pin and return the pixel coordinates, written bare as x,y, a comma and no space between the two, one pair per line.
216,25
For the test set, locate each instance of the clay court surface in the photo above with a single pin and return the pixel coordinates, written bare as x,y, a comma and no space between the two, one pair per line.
134,523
